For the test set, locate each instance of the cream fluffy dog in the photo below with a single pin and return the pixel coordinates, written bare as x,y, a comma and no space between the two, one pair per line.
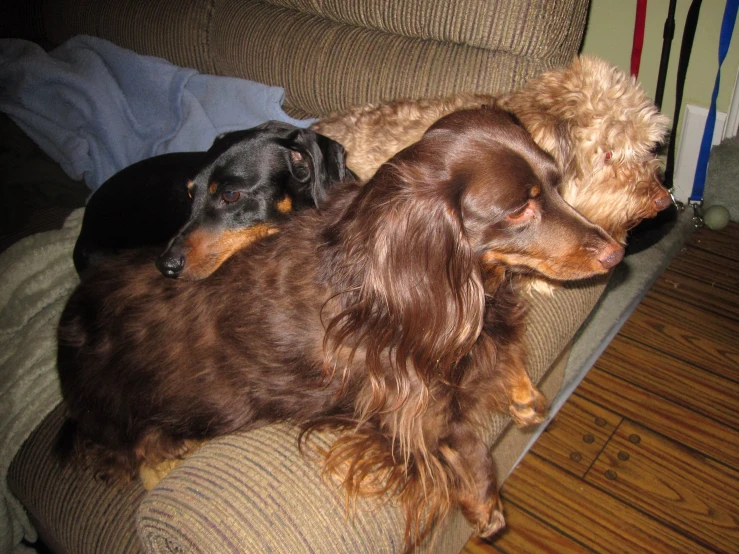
594,119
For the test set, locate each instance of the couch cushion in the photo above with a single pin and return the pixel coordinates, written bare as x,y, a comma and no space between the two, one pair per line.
333,54
176,30
326,66
537,28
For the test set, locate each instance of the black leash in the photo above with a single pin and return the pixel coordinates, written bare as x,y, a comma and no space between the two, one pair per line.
691,23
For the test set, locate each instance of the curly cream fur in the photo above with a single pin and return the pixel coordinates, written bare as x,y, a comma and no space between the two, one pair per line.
578,113
373,133
583,111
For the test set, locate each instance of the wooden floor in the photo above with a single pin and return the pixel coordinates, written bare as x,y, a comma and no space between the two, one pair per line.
644,456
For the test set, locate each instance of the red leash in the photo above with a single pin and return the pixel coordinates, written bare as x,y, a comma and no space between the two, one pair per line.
637,45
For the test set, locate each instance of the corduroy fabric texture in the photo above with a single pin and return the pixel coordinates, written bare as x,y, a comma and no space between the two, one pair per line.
72,511
326,66
253,492
176,30
538,28
331,55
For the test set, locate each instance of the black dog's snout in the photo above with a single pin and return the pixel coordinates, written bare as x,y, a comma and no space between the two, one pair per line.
170,266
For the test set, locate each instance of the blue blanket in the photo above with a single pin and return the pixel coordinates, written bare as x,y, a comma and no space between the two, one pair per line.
96,108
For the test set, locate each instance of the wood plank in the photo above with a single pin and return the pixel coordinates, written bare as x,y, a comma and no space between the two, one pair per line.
708,267
525,534
673,379
701,323
691,314
577,434
672,420
478,546
696,336
723,242
586,514
719,301
672,483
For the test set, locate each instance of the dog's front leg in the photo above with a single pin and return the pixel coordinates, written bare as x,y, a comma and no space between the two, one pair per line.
473,479
527,405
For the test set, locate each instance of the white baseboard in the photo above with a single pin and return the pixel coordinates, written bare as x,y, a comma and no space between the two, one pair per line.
691,134
732,124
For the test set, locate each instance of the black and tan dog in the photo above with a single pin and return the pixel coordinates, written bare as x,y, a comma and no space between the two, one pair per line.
253,178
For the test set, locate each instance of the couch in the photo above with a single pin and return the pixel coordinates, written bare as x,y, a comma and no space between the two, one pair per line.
254,492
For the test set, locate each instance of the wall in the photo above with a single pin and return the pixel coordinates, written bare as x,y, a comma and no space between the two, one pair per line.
610,33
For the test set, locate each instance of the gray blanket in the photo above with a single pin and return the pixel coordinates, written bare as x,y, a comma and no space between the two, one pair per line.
36,278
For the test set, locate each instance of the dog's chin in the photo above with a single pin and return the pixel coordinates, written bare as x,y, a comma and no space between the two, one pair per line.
192,276
622,232
557,272
572,268
201,270
208,252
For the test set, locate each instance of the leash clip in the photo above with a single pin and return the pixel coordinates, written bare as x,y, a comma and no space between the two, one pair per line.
675,202
697,206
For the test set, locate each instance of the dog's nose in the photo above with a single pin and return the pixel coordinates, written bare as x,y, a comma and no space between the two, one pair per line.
663,201
611,255
170,266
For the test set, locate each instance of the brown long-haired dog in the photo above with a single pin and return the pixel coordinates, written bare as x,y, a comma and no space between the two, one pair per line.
385,315
594,119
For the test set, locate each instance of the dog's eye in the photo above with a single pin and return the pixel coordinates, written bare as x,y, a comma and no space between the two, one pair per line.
230,196
520,214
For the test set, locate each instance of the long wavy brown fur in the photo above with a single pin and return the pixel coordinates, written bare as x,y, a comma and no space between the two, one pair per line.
446,462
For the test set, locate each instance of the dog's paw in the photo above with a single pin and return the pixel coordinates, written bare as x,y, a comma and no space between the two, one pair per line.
536,286
152,472
485,516
530,410
494,523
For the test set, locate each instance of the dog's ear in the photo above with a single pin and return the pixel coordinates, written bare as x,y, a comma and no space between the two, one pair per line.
413,298
554,136
563,154
317,161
